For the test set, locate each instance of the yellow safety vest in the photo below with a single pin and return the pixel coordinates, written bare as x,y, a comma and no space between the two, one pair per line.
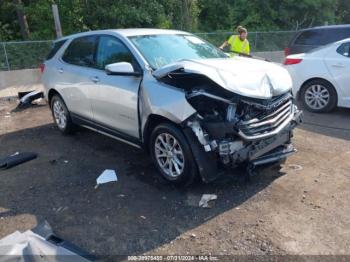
237,45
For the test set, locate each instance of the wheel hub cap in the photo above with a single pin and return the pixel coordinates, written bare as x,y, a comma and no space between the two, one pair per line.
59,114
317,97
169,155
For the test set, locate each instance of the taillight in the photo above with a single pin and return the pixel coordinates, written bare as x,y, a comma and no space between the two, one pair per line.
286,51
292,61
42,68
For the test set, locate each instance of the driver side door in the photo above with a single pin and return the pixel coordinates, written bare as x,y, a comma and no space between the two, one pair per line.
115,97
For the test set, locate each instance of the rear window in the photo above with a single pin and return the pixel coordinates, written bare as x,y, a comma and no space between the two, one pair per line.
81,51
336,34
310,37
55,47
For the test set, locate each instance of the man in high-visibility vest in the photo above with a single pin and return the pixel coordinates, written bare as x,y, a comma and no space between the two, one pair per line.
239,44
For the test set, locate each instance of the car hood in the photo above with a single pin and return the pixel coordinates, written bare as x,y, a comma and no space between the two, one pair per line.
244,76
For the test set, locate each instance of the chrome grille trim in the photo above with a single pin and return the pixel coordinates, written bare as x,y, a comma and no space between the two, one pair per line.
267,125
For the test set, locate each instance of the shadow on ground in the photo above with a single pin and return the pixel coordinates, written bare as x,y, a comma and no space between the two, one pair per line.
137,214
335,124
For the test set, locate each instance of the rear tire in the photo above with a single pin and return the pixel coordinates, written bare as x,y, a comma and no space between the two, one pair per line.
172,155
318,96
61,115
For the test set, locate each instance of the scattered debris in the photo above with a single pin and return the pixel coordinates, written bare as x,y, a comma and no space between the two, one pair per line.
16,159
26,98
205,200
295,167
107,176
41,242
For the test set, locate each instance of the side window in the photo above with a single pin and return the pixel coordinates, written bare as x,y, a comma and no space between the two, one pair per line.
344,49
111,50
334,35
55,47
310,37
81,51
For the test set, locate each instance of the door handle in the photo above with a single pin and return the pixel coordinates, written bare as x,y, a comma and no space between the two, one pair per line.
338,65
60,70
95,79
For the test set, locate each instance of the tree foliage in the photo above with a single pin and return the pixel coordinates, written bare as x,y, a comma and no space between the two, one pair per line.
190,15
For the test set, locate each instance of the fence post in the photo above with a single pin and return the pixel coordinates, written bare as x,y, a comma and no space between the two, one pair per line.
256,40
6,58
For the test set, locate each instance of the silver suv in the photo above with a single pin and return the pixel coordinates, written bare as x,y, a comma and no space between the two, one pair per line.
194,109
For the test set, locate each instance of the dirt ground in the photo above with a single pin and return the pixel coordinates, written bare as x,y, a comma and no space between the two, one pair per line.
300,208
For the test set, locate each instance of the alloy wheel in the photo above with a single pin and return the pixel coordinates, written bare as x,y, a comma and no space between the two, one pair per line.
169,155
317,97
59,114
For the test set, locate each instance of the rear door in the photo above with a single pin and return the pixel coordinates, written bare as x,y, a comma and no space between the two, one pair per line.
338,63
115,97
76,69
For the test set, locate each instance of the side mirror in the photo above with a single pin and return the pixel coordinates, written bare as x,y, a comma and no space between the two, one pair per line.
121,69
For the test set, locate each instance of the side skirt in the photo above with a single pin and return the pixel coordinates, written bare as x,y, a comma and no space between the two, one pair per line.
107,131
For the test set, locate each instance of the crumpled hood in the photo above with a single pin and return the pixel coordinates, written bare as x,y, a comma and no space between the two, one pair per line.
244,76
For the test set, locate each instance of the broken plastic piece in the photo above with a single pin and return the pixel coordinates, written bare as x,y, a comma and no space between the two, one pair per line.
28,98
16,159
206,198
107,176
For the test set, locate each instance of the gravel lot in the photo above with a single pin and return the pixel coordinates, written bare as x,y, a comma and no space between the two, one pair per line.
301,207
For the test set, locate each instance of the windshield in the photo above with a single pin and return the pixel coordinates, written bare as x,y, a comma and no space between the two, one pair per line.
160,50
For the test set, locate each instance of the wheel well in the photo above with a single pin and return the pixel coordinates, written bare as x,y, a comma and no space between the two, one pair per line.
312,79
152,122
51,93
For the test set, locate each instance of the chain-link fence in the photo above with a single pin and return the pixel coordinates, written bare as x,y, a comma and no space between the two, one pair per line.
23,55
259,41
29,54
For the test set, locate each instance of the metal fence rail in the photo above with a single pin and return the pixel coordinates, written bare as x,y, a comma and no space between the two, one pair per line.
23,55
29,54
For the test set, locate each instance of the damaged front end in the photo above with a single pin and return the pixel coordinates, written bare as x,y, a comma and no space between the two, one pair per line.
242,130
231,129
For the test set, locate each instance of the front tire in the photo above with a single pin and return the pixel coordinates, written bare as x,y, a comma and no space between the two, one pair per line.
61,115
319,96
172,155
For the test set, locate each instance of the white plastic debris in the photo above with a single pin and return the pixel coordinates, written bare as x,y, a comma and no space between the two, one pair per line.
107,176
206,198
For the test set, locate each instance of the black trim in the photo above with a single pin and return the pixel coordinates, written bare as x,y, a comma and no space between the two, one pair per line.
79,120
136,74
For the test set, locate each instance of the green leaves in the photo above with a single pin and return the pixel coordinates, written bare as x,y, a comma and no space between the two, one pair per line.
189,15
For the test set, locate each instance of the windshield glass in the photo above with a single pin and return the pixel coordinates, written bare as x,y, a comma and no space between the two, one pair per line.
160,50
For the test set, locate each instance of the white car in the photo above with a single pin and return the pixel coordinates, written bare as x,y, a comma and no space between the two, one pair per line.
321,77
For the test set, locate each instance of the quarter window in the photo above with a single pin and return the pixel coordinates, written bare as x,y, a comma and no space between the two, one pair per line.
344,49
81,51
54,48
111,50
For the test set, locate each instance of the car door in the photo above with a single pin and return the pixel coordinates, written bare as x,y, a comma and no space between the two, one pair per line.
115,97
75,70
338,63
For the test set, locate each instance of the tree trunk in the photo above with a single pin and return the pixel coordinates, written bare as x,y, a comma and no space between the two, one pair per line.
22,19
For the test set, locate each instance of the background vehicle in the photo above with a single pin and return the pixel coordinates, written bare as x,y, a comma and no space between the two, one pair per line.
321,77
308,39
182,99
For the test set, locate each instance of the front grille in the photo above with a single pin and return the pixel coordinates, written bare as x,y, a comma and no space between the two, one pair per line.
267,122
